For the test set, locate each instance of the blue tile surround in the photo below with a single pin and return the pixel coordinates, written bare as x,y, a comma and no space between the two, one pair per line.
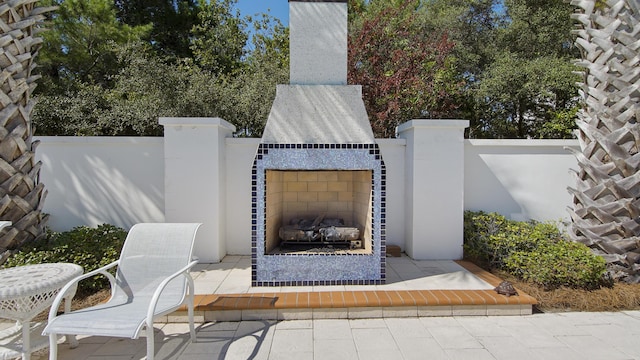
317,269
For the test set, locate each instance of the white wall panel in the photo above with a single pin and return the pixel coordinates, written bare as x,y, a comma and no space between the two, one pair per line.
96,180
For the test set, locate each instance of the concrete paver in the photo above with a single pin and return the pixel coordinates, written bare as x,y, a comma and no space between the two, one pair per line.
563,336
580,336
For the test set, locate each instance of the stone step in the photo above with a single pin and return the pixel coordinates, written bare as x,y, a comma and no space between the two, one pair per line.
360,304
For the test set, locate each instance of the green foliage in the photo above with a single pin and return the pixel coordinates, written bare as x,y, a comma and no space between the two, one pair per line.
532,251
248,93
406,73
144,89
522,95
556,264
538,28
471,24
562,125
170,21
90,248
505,65
116,75
79,45
219,37
516,56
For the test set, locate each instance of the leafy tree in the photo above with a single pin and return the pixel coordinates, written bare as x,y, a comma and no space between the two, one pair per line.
131,84
503,65
145,88
148,86
219,37
524,94
538,28
471,24
170,20
405,72
530,81
251,91
561,126
80,46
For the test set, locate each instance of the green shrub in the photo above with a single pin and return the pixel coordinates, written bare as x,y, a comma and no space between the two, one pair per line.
556,264
491,238
532,251
88,247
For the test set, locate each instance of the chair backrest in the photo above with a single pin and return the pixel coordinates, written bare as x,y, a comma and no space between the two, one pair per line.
151,252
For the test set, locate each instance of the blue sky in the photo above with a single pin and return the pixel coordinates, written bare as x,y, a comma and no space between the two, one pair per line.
278,8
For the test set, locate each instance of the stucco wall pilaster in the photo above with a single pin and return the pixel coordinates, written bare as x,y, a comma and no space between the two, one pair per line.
434,188
195,185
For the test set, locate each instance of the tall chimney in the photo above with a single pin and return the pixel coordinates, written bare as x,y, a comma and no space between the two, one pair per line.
318,42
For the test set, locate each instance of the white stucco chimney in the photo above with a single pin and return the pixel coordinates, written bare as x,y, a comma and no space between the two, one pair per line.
318,107
318,42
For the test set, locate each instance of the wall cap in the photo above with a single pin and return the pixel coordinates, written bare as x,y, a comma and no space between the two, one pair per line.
102,140
391,142
433,123
196,121
524,142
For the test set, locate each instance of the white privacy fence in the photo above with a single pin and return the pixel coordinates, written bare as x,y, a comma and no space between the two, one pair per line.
122,181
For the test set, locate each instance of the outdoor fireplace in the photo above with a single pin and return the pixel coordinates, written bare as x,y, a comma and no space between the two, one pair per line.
342,184
318,179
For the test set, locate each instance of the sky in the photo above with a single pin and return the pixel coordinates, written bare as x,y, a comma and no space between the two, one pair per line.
277,8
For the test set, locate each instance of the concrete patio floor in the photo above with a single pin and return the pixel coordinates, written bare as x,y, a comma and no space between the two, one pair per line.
409,335
562,336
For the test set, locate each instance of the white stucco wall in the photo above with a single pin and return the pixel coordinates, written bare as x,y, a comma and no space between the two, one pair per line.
121,181
195,183
240,154
521,179
393,153
96,180
434,181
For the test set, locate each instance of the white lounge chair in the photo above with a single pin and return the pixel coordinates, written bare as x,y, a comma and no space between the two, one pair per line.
152,280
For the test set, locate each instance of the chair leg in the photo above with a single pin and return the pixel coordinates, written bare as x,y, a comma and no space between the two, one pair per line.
53,346
192,331
150,351
67,309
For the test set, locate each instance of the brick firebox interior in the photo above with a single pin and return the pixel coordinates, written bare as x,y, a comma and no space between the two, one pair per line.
342,194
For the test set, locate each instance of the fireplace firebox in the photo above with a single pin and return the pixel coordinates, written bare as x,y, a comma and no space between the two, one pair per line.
318,210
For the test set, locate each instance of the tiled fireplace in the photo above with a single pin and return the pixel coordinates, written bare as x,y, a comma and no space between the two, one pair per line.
318,164
345,181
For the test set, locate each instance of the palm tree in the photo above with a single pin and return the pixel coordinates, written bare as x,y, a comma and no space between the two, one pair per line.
606,199
21,193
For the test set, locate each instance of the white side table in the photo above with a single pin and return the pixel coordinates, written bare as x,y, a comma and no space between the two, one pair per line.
26,291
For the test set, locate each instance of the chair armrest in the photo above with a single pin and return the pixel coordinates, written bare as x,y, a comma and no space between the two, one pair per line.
61,294
156,295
